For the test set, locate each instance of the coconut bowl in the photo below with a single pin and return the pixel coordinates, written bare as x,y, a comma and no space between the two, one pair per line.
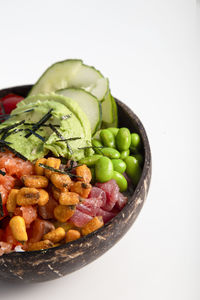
43,265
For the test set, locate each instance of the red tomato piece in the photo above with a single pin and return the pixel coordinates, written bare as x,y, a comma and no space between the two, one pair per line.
10,102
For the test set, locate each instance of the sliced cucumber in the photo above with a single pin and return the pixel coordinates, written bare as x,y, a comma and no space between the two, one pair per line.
89,104
71,73
109,112
107,115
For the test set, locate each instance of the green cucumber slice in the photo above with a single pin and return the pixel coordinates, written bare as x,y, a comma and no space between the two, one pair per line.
107,115
89,104
109,112
71,73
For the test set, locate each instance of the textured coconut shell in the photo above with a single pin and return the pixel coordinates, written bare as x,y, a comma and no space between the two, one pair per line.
56,262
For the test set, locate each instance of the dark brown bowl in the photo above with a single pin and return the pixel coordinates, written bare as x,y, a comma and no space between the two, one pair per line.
56,262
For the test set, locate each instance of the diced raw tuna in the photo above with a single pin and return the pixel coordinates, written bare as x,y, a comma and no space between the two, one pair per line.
15,165
98,194
5,248
121,202
29,213
79,218
90,210
47,211
112,190
106,215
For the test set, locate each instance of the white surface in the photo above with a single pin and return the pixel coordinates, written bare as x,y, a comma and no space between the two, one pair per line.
148,49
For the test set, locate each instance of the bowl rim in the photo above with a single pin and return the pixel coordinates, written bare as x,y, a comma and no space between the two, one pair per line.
147,164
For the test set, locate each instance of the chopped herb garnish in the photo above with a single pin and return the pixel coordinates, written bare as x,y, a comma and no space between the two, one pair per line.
66,117
7,116
11,126
69,139
36,134
25,111
2,173
6,134
59,171
3,143
61,137
1,207
40,122
43,125
14,151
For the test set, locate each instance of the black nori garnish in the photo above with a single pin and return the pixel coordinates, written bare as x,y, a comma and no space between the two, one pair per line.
40,122
7,116
59,171
13,151
61,137
69,139
6,134
5,129
2,173
1,207
43,125
36,134
66,117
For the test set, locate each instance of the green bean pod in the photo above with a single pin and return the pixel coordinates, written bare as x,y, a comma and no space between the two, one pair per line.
133,169
121,181
110,152
107,138
135,140
90,160
123,139
124,154
97,145
113,130
103,169
119,165
139,158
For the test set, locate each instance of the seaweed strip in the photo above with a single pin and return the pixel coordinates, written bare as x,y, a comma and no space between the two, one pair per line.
69,139
15,152
61,137
36,134
11,126
6,134
2,173
40,122
66,117
59,171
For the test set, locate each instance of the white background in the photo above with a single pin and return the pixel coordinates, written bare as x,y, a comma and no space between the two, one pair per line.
148,50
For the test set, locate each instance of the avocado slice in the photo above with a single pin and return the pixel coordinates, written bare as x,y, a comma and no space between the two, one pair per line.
75,126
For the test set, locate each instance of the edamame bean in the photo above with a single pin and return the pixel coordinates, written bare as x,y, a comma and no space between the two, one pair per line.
113,130
124,154
121,181
107,138
135,140
134,150
119,165
133,169
139,158
123,139
97,144
103,169
90,160
110,152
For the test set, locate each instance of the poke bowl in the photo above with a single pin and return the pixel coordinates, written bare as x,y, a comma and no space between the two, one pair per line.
60,258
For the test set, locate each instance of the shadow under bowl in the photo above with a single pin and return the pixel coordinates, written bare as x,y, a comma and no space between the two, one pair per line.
56,262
